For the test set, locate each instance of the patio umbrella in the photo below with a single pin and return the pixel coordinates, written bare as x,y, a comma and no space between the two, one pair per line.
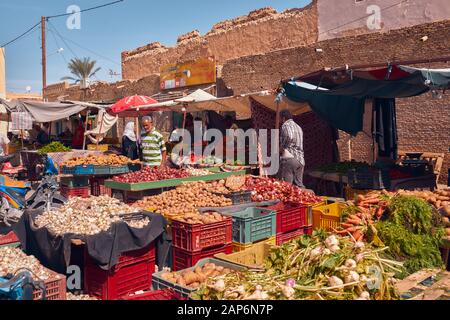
130,102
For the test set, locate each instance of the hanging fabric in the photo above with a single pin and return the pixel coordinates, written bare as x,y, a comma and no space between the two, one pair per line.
105,123
21,121
386,128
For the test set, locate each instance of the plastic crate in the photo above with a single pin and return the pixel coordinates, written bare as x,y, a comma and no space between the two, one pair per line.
328,217
159,283
9,238
165,294
253,224
195,237
105,170
132,273
290,216
134,167
118,169
288,236
68,170
251,258
183,259
74,182
82,192
55,288
375,179
238,247
240,197
98,187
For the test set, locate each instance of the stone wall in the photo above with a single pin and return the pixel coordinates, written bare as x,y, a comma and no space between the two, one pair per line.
261,31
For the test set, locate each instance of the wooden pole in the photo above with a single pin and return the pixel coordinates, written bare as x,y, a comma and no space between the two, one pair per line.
100,130
44,58
277,119
85,128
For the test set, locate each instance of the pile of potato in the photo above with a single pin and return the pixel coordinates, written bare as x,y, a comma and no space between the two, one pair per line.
438,198
193,279
195,218
13,260
104,160
184,200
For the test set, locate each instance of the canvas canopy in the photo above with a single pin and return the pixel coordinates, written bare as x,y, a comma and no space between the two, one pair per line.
339,96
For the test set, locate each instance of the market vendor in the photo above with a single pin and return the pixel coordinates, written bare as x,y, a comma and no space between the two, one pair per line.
78,137
129,142
153,149
43,137
292,162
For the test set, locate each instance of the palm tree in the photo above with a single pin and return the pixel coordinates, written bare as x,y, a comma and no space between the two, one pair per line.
82,69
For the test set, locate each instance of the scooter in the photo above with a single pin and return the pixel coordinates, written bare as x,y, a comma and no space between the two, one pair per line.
16,196
20,286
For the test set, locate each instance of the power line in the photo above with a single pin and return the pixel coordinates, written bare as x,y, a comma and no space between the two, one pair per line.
56,16
22,35
362,18
89,9
59,35
57,45
80,46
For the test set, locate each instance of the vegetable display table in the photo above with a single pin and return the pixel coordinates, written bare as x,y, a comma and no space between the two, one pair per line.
168,183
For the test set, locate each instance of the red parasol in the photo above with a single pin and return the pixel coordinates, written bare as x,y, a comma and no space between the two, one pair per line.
132,101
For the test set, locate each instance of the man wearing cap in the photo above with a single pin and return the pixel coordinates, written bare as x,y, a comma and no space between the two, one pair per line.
291,149
152,143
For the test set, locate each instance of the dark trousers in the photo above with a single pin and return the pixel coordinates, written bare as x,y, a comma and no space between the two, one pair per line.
292,171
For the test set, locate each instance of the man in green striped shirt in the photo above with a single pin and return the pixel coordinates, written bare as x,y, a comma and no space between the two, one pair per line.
152,143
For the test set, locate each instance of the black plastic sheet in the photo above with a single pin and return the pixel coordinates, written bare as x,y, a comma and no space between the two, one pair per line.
105,248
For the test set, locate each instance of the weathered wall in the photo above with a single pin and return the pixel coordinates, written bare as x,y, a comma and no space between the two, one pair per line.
423,123
103,91
261,31
351,17
2,74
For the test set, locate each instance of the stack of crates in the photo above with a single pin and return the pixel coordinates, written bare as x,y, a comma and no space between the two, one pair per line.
98,187
253,226
75,187
132,273
293,221
193,242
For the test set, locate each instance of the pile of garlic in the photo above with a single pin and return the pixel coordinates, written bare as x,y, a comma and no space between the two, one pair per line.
87,216
13,259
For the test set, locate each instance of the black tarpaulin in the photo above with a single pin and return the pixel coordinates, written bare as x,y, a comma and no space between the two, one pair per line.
105,248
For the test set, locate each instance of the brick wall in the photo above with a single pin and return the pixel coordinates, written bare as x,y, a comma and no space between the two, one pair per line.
423,123
263,30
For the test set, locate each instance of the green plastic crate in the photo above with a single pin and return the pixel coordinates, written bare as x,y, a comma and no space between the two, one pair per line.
101,170
118,169
75,182
253,224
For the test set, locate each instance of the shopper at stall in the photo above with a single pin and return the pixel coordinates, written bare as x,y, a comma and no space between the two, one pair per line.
43,137
78,137
292,162
154,151
129,142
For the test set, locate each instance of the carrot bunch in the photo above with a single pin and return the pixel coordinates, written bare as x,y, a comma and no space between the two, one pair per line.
367,209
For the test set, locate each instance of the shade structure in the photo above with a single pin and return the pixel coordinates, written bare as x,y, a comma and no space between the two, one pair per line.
130,102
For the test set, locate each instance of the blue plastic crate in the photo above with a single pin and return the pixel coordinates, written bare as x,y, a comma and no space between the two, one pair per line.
68,170
101,170
118,169
253,224
84,170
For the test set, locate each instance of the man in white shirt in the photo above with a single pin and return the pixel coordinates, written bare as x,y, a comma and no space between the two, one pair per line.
291,147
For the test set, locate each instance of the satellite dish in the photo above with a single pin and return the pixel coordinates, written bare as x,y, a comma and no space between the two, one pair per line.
28,89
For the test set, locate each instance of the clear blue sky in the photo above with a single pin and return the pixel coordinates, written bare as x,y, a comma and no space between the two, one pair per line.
107,31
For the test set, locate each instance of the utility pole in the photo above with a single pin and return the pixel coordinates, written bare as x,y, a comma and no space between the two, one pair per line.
44,58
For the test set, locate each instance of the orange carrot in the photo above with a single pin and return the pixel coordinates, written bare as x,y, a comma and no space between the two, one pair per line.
357,235
354,221
370,201
346,225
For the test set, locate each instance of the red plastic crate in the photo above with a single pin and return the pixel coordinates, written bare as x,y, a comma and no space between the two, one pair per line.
8,238
285,237
165,294
196,237
290,216
132,273
55,288
82,192
98,187
183,259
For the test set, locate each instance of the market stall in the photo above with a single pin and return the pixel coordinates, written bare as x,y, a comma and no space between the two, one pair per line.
341,97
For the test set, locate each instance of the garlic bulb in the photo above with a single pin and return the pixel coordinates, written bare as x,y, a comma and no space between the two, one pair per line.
13,259
352,277
350,263
335,281
331,241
